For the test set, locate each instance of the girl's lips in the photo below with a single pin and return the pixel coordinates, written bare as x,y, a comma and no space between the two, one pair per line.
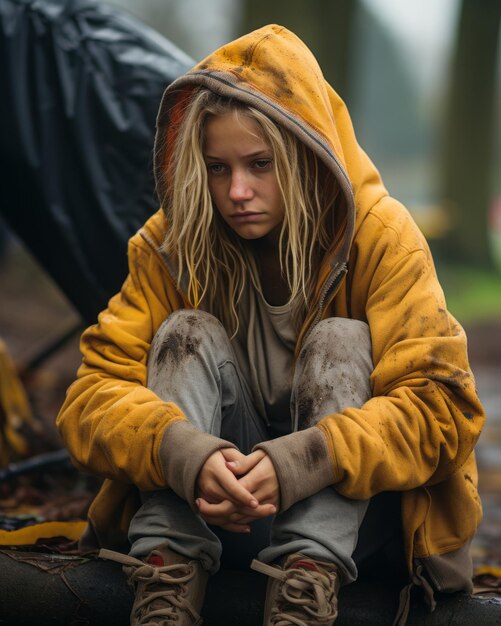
246,217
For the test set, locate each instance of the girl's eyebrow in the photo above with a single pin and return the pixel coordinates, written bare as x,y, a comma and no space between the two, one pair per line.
251,155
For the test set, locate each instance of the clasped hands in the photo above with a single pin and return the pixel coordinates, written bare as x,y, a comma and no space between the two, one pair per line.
234,489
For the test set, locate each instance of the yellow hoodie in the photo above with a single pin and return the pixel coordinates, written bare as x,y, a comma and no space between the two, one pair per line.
415,435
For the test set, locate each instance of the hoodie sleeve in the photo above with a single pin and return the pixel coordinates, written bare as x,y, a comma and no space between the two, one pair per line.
112,424
424,417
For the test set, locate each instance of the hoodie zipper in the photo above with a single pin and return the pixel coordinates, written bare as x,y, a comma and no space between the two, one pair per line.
330,285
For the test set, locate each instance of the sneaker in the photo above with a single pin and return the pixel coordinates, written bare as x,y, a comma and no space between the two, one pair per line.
169,588
301,592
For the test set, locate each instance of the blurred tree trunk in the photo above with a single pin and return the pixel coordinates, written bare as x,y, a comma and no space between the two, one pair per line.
470,130
325,26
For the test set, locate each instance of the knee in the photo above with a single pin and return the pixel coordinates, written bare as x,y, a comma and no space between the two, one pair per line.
333,370
346,337
184,332
189,322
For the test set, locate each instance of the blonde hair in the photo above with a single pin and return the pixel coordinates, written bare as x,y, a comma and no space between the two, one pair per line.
217,262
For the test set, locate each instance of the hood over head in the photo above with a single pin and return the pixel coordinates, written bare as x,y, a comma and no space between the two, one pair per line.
272,70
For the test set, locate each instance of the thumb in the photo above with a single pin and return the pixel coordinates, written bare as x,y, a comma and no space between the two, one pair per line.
244,464
233,459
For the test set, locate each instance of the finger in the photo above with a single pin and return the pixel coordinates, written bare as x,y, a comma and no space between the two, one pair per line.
218,482
243,465
216,493
219,510
240,519
234,467
232,454
208,498
262,480
223,485
265,491
235,491
212,492
228,508
267,494
225,520
262,511
227,512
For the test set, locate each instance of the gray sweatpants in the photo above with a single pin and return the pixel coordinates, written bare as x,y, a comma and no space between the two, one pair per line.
332,372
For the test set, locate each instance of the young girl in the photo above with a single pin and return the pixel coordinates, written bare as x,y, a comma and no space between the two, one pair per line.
279,373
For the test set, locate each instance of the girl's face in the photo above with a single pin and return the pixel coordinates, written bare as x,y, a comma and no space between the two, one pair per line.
242,179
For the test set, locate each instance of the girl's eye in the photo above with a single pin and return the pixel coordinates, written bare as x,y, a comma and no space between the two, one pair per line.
263,164
216,168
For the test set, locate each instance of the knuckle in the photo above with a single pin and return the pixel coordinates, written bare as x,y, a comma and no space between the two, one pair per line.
204,483
211,491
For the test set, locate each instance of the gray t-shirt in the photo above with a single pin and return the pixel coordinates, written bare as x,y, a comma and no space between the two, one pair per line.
264,347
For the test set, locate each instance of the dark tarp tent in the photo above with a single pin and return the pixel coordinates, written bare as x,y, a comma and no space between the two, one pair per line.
80,87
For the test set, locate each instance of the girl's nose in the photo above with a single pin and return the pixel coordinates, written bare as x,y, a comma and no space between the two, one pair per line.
240,189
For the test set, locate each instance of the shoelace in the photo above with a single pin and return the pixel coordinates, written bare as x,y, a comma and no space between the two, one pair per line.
174,576
310,591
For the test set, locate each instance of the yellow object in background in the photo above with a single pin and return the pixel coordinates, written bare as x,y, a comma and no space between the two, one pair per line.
30,535
16,416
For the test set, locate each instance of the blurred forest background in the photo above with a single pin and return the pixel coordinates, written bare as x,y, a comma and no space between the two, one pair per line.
422,82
